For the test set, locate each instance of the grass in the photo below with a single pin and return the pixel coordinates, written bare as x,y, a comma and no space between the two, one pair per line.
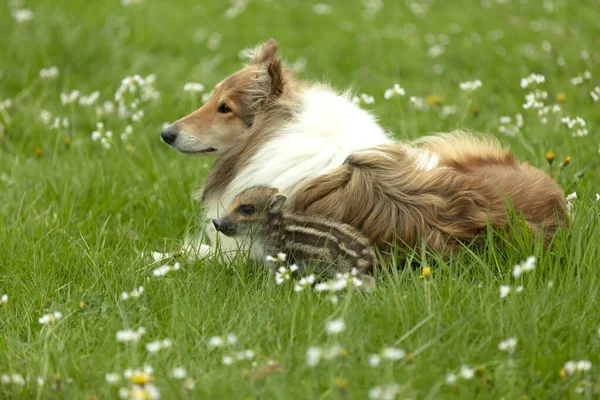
74,219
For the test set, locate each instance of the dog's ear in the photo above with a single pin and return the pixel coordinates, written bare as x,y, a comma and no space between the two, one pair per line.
277,203
265,53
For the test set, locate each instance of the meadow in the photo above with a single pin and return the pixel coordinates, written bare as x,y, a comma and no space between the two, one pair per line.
83,205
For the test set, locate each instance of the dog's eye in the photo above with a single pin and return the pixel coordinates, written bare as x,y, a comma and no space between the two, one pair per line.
246,210
224,108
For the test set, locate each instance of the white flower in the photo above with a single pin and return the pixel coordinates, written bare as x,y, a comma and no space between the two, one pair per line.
367,99
22,15
40,381
517,271
374,360
570,367
215,341
165,269
532,79
47,319
583,365
129,335
245,355
231,339
577,126
336,326
112,378
322,9
193,87
386,392
154,347
227,360
393,354
49,73
135,293
4,299
509,345
45,117
179,373
504,291
395,90
470,86
281,257
127,3
5,379
466,372
435,51
570,198
18,379
313,356
519,289
304,282
284,274
450,379
595,94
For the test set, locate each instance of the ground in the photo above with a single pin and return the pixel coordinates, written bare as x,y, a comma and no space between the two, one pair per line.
78,209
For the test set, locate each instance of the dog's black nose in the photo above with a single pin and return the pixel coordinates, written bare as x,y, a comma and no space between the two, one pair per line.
169,134
217,224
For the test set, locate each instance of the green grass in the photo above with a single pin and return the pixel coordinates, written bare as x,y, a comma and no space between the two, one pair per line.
74,220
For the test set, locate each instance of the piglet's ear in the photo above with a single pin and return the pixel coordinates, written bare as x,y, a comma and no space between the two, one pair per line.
277,203
265,53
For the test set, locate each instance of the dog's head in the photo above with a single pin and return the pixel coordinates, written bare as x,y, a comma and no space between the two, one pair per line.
232,109
248,209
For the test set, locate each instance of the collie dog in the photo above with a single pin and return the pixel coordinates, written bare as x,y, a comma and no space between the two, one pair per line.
332,159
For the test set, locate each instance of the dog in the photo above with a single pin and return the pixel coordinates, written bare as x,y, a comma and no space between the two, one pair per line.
333,160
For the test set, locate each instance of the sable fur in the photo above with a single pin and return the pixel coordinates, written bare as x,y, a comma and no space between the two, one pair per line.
334,161
328,245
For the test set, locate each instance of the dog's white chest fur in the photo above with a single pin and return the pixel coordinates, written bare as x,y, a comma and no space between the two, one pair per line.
326,130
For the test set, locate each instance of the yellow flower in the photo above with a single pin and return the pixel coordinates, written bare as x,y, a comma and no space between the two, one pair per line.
340,383
68,141
561,97
563,374
426,273
434,100
141,379
38,151
48,302
475,110
566,161
550,157
81,305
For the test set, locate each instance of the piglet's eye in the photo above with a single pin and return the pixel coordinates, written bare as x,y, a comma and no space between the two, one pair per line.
224,108
246,210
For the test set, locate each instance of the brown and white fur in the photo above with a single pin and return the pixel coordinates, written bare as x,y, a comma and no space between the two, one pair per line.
333,160
329,246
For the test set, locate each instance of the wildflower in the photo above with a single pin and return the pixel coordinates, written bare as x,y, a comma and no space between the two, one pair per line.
154,347
245,355
4,299
49,73
418,102
89,100
22,15
561,97
595,94
509,345
40,381
509,128
395,90
193,87
386,392
231,339
450,379
576,125
577,366
448,110
426,273
281,257
435,51
69,98
215,341
139,376
112,378
393,354
313,356
102,135
284,274
570,198
578,80
367,99
526,266
336,326
165,269
179,373
434,100
227,360
129,335
333,352
322,9
48,319
374,360
127,133
5,379
470,86
133,93
68,141
550,157
504,291
532,79
304,282
466,372
133,294
17,379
